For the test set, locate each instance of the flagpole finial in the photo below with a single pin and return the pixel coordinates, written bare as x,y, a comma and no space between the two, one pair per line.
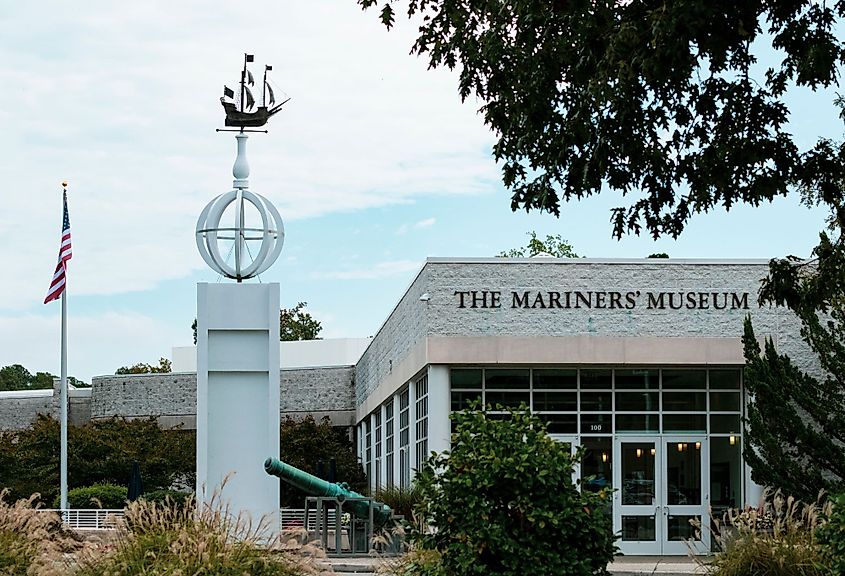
64,184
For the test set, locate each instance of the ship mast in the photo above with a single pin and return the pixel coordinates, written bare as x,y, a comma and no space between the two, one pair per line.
247,58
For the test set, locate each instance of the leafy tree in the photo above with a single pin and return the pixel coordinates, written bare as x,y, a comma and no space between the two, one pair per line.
141,368
553,245
294,324
16,377
796,424
502,501
655,99
658,255
297,324
306,442
98,452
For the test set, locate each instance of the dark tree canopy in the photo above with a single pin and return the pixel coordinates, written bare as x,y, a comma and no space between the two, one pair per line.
306,442
655,100
17,377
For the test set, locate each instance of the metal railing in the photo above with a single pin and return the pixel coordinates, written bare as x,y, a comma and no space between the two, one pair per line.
293,518
89,519
105,519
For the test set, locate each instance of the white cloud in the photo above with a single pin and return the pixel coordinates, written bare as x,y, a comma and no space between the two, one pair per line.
379,270
123,104
97,344
422,224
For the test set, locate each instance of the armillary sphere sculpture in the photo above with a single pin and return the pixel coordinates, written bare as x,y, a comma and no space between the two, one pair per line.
210,231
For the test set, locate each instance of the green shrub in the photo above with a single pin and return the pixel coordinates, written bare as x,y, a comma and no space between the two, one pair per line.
161,540
831,535
776,539
401,500
503,502
162,496
109,496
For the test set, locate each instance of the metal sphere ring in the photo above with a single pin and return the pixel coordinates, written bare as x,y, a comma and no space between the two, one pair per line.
271,234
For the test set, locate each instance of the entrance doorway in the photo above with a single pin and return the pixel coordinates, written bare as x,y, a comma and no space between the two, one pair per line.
662,488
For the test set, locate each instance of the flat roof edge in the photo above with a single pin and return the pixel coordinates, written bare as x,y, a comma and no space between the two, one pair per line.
549,260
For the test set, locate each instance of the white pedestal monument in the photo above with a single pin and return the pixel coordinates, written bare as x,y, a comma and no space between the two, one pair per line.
238,353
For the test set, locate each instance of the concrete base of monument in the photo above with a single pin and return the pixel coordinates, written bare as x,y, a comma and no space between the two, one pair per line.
238,398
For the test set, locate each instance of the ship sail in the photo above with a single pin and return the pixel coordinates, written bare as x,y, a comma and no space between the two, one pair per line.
270,92
250,80
250,101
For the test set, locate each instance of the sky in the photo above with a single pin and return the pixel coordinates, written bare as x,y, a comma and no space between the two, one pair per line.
374,164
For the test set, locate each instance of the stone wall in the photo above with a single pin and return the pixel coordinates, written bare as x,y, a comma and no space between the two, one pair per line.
172,397
19,409
665,298
406,326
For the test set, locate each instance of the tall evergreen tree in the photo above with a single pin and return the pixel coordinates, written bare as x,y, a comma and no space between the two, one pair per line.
796,424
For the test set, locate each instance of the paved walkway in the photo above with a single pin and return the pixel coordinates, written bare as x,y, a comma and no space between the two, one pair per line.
621,566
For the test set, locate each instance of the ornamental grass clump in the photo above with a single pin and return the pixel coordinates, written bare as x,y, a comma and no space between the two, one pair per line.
177,539
776,539
32,542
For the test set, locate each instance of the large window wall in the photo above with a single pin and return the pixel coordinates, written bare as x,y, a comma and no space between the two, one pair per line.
600,401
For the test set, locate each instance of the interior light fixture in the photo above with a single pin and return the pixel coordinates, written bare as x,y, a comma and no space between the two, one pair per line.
653,451
698,445
604,456
639,452
732,440
680,446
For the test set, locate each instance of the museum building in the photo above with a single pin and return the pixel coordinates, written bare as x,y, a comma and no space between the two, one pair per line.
637,361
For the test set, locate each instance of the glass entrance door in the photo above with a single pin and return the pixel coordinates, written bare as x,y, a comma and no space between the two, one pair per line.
636,510
661,484
684,497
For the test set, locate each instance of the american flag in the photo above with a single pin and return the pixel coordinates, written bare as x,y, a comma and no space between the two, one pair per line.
57,286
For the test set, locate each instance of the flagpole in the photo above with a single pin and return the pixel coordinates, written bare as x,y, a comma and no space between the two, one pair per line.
63,409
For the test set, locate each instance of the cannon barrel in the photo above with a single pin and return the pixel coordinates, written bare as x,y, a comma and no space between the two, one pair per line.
314,486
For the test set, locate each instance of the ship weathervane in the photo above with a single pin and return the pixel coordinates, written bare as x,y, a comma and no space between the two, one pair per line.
243,112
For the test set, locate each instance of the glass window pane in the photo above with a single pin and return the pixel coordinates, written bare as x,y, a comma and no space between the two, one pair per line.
592,379
462,400
725,475
681,528
684,422
556,401
465,378
682,379
596,423
560,423
637,461
637,401
724,379
683,473
637,379
637,423
724,401
638,528
506,399
596,401
725,424
597,463
565,379
684,401
506,378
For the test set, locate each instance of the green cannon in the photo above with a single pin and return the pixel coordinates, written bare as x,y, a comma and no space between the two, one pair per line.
314,486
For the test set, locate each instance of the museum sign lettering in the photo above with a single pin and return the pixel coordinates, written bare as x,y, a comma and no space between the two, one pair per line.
602,300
